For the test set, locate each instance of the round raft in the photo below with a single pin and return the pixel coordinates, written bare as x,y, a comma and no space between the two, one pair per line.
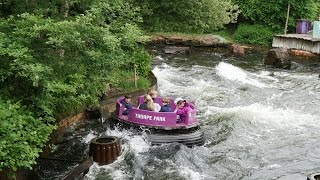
163,127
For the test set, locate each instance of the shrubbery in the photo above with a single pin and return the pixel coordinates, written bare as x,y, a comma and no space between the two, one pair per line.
21,136
254,34
187,16
52,65
273,13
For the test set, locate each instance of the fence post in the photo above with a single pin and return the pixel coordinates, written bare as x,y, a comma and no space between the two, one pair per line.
288,11
135,76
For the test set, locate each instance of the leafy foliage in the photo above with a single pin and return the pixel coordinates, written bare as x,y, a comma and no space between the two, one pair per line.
187,16
21,136
55,62
273,13
254,34
124,80
51,8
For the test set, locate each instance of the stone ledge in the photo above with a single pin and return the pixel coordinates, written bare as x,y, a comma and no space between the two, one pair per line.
192,40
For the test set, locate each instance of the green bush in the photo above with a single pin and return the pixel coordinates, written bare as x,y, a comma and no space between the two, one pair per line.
124,80
254,34
56,66
22,136
273,13
187,16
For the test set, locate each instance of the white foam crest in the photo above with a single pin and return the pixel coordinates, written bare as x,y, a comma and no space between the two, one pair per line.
173,83
202,68
189,173
117,132
275,118
167,77
189,161
159,58
267,75
89,137
131,143
301,76
237,74
137,143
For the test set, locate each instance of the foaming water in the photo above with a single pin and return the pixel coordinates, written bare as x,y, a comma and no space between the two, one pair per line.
236,74
259,123
133,145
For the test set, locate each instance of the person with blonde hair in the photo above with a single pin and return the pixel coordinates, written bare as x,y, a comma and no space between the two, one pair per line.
153,93
148,103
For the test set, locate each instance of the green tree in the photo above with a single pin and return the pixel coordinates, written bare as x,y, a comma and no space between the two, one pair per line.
188,15
273,13
51,8
52,65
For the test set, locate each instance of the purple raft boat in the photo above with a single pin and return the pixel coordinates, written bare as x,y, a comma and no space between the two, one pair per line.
164,127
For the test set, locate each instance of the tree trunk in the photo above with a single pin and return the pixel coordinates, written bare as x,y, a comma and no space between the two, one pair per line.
65,8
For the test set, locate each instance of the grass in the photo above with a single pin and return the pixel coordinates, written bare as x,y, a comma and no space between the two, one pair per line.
228,35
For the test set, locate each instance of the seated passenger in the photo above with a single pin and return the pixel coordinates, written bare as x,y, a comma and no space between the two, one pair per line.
154,94
148,103
165,105
183,108
126,103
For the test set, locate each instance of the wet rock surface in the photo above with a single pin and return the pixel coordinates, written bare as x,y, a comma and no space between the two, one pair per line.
176,50
278,58
237,50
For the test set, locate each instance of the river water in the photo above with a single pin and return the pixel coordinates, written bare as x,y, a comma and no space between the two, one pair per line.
259,122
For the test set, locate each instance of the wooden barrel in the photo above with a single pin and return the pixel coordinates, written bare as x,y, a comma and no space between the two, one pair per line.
105,150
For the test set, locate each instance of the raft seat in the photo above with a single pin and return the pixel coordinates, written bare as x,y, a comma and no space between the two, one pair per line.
157,100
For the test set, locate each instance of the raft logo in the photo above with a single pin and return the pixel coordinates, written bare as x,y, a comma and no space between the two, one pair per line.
151,118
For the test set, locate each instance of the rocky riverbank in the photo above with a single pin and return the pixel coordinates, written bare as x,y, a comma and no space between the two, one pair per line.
277,57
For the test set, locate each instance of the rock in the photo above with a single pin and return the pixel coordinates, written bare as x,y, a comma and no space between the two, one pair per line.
207,41
297,52
157,39
278,57
236,49
176,40
183,40
176,50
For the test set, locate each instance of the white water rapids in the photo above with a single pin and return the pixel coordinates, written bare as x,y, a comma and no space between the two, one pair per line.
259,123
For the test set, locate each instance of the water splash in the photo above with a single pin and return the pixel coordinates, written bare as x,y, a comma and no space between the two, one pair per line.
236,74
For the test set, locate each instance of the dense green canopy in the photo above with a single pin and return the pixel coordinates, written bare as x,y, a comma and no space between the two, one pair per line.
55,61
273,13
189,16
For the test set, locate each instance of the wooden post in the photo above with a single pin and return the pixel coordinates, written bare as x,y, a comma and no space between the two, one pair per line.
288,11
135,76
